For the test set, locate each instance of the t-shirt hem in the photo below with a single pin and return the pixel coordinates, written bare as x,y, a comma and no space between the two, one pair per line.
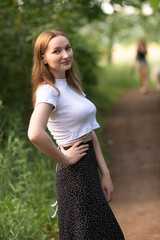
78,138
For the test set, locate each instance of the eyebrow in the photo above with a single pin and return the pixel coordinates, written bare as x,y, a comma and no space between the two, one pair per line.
62,47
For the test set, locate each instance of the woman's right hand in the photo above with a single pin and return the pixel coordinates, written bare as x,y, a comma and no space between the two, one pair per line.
75,153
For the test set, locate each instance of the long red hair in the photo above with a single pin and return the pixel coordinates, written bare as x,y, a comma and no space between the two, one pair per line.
41,73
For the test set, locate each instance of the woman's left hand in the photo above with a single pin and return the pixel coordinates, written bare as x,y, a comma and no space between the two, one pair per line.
107,186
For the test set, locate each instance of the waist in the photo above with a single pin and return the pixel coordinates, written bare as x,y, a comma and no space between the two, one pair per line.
83,139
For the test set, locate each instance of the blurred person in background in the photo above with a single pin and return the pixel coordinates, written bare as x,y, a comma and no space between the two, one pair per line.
141,64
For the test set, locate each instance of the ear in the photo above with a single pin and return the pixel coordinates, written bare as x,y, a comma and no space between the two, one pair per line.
44,61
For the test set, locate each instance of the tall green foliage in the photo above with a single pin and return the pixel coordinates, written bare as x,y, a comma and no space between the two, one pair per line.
27,180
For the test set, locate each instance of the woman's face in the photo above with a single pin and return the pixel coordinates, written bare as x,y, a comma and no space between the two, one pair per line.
59,56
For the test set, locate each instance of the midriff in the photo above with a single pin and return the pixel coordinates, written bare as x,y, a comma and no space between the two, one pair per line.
85,139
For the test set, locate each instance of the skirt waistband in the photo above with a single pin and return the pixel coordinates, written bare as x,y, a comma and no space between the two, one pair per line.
87,142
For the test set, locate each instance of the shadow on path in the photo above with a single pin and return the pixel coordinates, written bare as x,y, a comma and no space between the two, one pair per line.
134,128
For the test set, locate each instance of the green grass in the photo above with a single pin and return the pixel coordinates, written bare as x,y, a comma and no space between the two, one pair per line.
27,180
114,80
27,176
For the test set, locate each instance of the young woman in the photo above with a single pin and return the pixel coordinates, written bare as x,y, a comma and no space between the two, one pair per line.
142,65
61,105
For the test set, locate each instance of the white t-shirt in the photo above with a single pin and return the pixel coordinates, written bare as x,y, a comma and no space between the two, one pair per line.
73,115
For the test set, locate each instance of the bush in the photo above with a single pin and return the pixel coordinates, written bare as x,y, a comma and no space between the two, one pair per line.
27,179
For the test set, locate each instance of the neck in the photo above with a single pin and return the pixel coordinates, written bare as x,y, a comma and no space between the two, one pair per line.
58,75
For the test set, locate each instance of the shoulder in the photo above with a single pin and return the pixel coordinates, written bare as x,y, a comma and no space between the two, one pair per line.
46,89
46,94
81,90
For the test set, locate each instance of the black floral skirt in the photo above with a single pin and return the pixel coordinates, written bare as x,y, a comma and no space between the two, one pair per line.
83,212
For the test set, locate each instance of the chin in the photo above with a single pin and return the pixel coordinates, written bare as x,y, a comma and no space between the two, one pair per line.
68,67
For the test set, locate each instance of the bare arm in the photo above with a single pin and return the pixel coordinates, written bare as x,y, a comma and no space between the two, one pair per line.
39,137
107,184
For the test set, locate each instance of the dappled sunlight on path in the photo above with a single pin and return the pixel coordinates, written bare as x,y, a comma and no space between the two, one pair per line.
134,128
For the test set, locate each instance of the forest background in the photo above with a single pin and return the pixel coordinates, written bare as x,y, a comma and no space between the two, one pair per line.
96,28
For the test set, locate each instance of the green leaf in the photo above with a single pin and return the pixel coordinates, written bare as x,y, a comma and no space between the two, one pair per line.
154,3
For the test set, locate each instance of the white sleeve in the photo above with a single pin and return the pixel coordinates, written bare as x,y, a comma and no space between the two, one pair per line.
47,94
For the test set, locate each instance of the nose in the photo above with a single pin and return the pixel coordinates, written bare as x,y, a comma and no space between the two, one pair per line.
65,54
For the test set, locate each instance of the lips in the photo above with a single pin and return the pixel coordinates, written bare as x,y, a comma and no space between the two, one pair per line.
66,62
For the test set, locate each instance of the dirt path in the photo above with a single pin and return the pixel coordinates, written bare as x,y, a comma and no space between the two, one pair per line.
134,147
